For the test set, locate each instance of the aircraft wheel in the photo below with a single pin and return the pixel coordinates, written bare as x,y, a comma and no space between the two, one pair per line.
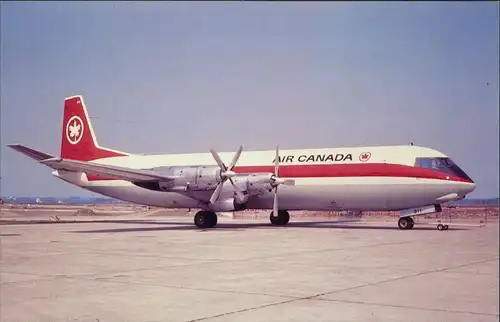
405,223
411,223
440,227
445,227
205,219
282,219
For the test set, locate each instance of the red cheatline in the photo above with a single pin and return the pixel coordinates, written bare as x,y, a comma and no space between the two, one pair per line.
344,170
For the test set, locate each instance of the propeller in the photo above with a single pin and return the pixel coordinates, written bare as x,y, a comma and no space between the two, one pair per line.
277,181
275,190
226,173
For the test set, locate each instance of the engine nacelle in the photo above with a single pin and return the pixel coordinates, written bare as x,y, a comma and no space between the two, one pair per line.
254,183
207,178
190,178
227,205
258,183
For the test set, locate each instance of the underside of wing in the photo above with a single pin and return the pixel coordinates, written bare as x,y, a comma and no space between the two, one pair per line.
102,170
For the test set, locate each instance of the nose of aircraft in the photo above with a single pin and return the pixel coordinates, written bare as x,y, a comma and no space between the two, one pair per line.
467,188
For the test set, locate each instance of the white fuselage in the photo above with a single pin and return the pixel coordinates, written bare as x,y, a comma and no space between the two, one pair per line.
392,183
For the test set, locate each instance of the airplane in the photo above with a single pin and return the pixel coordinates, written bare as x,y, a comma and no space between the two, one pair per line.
411,179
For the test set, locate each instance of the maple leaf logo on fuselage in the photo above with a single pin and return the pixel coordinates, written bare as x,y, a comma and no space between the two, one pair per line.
363,157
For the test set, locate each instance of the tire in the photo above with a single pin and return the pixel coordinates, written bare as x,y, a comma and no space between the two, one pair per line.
205,219
411,223
405,223
282,219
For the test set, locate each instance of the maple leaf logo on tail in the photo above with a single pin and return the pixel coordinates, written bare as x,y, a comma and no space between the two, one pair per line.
74,130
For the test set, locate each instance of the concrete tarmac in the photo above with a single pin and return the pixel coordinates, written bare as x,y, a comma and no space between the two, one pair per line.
247,270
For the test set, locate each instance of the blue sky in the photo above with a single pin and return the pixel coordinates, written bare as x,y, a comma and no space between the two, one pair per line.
173,77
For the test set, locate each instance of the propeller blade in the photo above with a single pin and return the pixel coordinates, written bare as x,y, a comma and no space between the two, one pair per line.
217,191
218,160
275,203
277,160
235,157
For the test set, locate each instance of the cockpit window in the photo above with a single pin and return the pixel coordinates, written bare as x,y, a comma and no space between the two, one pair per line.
442,164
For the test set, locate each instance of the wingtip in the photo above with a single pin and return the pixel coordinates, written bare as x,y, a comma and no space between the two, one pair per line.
17,146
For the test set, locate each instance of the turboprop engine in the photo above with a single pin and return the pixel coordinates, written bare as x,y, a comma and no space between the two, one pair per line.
199,178
258,183
192,177
249,184
246,185
185,178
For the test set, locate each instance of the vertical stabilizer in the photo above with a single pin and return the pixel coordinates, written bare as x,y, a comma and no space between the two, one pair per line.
78,141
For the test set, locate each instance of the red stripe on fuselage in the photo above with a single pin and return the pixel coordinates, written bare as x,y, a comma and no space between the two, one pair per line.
352,170
343,170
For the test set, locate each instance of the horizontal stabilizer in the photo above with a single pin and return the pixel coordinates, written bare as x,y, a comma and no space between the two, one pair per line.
102,170
32,153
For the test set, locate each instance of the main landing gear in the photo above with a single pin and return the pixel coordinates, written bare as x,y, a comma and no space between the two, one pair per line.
406,223
208,219
281,219
205,219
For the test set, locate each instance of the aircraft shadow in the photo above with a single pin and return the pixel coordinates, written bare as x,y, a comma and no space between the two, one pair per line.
242,226
97,221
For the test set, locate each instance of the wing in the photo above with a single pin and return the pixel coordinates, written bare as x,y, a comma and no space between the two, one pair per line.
32,153
102,170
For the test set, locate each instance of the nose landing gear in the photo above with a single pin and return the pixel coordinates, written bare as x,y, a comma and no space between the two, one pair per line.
441,227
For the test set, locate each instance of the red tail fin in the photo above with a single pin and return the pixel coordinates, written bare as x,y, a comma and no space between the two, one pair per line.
78,140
